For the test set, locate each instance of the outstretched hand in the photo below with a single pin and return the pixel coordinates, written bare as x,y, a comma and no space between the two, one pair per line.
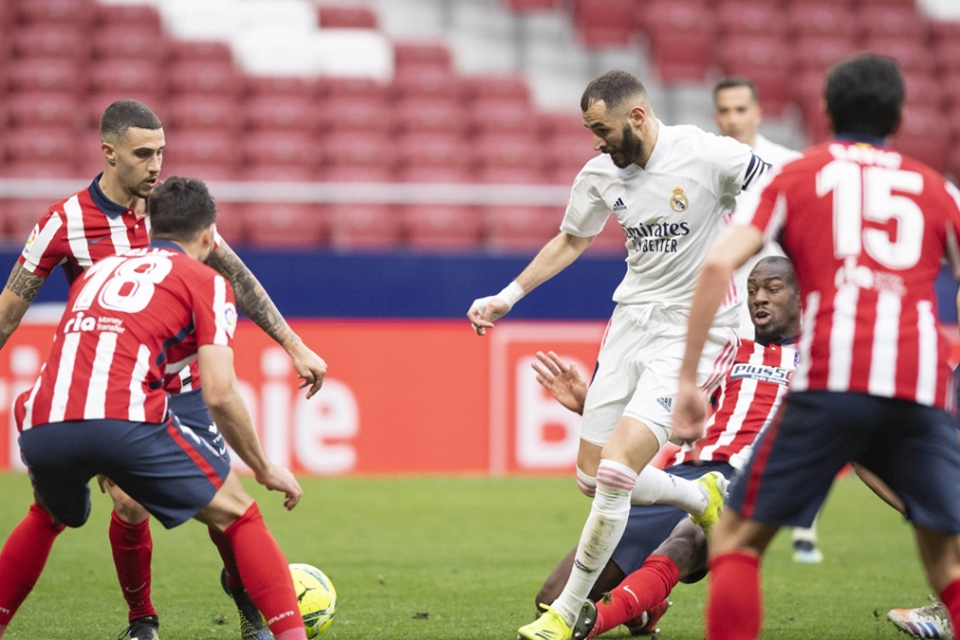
562,380
484,311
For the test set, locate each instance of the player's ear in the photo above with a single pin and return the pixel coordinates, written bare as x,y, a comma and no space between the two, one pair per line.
109,152
637,116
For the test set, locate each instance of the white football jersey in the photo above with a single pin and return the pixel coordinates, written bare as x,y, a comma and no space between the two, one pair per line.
671,211
776,155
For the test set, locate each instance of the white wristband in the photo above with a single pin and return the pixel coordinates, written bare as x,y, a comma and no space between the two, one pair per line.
511,294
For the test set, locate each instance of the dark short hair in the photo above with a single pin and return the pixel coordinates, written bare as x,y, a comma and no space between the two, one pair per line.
613,87
865,94
785,265
127,114
732,82
180,208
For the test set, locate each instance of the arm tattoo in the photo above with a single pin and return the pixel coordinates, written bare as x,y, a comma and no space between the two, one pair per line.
251,297
23,283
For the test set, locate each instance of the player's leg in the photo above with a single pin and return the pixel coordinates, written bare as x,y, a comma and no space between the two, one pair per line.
132,548
258,556
193,414
940,554
23,557
610,576
805,549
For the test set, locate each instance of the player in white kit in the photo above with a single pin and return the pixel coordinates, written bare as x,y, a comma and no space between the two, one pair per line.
671,189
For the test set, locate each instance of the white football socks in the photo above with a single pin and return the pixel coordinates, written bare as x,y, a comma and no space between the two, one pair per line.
655,486
587,484
601,533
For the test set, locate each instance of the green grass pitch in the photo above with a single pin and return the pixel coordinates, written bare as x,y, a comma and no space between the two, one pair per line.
461,558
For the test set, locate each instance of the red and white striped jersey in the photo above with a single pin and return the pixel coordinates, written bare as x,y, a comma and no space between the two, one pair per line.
83,229
867,229
748,401
131,322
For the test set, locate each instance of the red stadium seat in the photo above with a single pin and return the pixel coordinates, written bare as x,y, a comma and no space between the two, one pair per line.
432,150
200,147
923,136
124,77
421,54
68,12
767,62
280,148
427,82
892,22
950,86
913,56
493,116
563,124
41,143
604,22
566,155
204,113
816,54
138,16
46,108
507,152
64,41
443,226
751,17
358,150
511,87
333,17
277,113
516,228
21,215
230,222
356,174
286,224
90,159
948,57
944,31
366,225
277,86
197,51
924,90
534,174
427,174
823,20
130,43
32,74
366,89
208,171
278,173
205,77
26,169
681,34
808,93
355,114
431,117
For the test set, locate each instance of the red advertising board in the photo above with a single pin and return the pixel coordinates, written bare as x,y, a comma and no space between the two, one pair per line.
400,397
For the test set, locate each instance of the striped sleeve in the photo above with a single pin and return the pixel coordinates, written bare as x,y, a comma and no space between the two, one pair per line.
756,168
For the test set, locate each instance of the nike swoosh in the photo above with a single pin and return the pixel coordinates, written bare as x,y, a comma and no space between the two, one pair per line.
129,590
93,242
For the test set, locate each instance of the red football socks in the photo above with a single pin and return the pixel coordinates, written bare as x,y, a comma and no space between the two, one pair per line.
734,605
950,597
234,583
23,557
266,574
132,552
640,591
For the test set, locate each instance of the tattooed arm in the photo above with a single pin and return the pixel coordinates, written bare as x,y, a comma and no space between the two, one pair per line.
15,299
253,300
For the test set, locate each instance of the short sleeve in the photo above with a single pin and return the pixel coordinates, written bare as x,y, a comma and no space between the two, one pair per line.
214,311
740,168
47,245
586,211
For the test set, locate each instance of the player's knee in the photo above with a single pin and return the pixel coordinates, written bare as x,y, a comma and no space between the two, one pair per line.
586,483
128,509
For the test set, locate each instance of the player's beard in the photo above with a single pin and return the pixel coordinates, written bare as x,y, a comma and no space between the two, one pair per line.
629,150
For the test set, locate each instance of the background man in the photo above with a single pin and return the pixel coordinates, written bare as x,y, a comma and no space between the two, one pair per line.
108,217
873,380
99,406
737,114
660,546
670,189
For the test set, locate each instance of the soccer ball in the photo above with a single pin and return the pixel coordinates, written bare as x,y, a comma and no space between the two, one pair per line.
317,598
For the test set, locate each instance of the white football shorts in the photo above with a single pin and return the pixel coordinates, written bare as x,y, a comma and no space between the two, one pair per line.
638,369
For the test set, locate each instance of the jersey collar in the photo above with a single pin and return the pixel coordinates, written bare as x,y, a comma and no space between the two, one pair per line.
105,204
660,150
166,244
876,141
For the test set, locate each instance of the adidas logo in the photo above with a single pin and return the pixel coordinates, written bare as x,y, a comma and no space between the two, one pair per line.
618,206
666,403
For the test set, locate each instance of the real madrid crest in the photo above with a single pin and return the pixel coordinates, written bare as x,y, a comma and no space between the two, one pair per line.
678,201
